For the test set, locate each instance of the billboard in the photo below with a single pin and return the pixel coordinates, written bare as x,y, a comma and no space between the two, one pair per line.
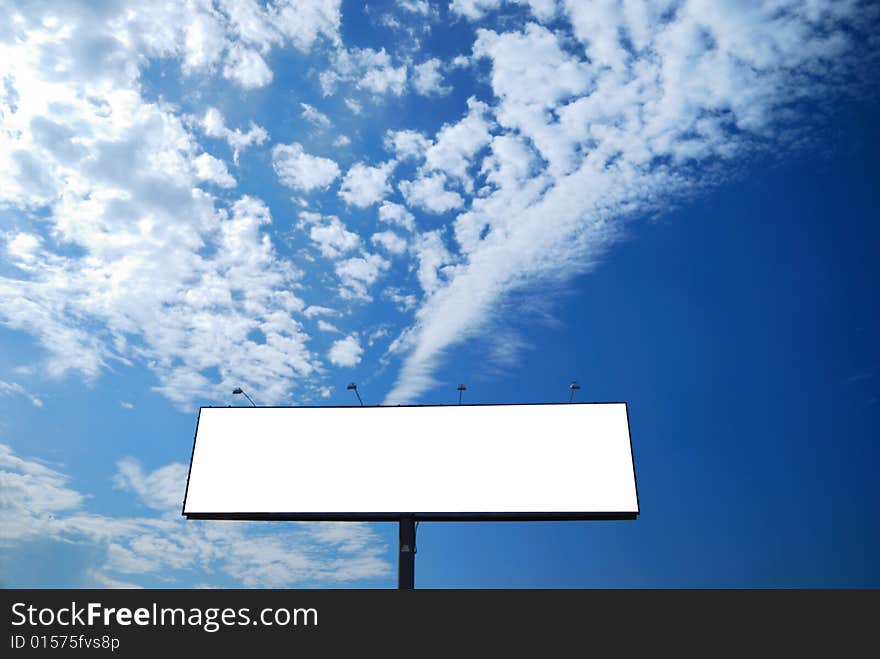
457,462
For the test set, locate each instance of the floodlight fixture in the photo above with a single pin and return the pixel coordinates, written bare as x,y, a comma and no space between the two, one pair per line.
574,386
461,388
239,390
353,387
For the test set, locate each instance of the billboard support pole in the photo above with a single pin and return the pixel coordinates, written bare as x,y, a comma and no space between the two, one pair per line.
406,557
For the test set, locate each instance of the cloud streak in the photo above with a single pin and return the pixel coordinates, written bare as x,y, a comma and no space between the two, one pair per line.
635,110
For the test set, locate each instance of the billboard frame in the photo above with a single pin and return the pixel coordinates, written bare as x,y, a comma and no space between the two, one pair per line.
489,516
408,520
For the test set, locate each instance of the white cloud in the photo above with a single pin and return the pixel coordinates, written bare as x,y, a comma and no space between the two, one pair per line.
143,265
247,67
301,22
32,495
395,214
428,79
543,10
531,73
137,217
314,116
13,388
510,168
391,21
302,171
430,193
23,248
473,9
39,505
306,21
204,42
333,239
126,405
364,185
366,69
358,273
403,301
324,326
342,140
116,38
583,142
250,24
456,144
432,256
422,7
406,144
314,310
307,217
606,115
213,124
510,162
390,241
346,352
212,170
382,80
160,489
375,335
382,77
354,106
328,80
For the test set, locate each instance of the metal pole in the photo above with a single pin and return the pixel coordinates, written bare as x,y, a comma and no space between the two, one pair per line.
406,557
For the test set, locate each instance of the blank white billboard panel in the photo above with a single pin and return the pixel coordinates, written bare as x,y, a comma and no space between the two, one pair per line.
569,461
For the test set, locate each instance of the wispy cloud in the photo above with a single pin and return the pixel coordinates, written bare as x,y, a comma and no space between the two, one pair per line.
659,95
39,504
314,116
15,389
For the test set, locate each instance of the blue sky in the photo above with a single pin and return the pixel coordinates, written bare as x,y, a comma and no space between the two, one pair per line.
671,202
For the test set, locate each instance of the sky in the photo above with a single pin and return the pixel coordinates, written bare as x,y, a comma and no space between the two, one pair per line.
672,202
